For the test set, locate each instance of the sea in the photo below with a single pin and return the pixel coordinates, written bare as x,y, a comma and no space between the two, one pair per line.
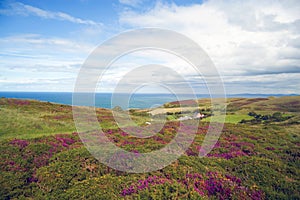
104,100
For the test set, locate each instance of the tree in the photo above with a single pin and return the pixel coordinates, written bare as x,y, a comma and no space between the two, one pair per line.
277,116
252,114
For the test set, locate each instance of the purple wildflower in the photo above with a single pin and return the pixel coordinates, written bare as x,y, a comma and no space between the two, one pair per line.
20,143
270,148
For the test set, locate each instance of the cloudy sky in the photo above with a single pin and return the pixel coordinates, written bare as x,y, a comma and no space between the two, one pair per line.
255,45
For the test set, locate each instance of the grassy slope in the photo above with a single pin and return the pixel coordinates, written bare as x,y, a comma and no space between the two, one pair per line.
264,159
26,119
29,119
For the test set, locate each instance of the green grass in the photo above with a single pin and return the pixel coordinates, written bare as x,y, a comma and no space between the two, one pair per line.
233,119
25,119
34,119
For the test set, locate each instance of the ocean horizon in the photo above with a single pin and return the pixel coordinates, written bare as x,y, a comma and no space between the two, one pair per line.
137,100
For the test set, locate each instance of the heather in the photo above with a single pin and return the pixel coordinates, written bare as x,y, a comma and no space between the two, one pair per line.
249,161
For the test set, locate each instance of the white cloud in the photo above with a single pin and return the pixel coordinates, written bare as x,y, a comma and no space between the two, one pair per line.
34,61
23,9
254,44
241,37
35,45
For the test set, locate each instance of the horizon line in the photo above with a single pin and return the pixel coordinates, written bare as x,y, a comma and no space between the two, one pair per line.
153,93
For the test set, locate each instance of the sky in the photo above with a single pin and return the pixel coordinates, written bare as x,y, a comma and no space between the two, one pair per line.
254,45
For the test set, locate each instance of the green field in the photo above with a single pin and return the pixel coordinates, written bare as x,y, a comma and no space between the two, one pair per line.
30,119
42,156
234,119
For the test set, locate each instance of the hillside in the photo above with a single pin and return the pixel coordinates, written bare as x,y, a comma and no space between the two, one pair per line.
256,157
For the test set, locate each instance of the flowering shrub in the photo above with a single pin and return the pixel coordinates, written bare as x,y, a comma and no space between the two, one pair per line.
224,187
270,148
212,184
20,143
18,102
231,148
34,154
65,141
227,149
143,184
